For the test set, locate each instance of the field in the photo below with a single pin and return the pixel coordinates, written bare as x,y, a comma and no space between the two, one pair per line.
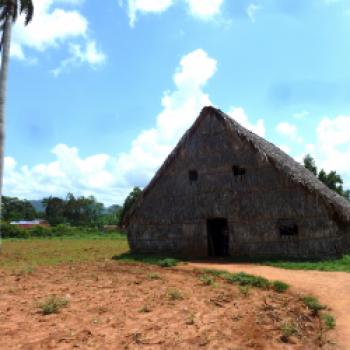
69,293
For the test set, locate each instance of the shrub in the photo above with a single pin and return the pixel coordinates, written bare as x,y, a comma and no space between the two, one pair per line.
40,231
279,286
244,279
13,231
167,262
52,305
288,329
313,304
207,279
328,320
174,294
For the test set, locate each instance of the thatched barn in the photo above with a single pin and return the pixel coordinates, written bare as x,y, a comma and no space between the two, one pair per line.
224,191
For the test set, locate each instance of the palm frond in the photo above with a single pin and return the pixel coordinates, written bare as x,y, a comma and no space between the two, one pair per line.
26,7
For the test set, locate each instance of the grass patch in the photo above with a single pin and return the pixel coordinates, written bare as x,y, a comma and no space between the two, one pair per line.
17,254
245,279
52,305
279,286
174,294
328,320
313,304
288,329
341,264
153,276
244,290
207,279
147,259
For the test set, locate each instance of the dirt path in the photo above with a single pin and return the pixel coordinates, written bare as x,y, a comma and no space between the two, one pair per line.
332,289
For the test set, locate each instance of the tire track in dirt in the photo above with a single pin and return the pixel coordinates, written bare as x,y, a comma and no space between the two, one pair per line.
332,289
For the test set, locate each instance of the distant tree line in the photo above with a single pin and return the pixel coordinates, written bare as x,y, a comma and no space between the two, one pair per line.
332,180
73,210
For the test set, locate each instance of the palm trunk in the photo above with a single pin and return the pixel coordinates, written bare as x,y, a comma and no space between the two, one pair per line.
3,83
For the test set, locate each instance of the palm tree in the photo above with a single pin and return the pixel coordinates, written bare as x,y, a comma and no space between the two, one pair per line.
9,10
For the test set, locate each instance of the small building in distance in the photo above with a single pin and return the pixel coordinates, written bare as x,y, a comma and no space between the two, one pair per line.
30,224
224,191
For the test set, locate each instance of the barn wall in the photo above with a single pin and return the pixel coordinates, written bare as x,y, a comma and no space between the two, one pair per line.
172,217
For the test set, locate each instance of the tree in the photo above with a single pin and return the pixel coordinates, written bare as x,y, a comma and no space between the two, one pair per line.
54,210
129,202
332,180
15,209
9,10
310,164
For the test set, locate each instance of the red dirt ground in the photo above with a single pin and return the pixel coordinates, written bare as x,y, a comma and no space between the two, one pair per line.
116,306
332,289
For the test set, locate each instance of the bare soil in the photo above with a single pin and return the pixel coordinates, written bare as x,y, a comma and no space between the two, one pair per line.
332,289
134,306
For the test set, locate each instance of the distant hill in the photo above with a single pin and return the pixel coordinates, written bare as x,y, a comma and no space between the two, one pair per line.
38,206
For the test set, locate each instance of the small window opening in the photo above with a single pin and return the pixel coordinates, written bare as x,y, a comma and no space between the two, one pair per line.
238,171
288,228
193,175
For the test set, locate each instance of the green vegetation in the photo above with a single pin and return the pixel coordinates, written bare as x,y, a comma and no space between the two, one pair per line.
207,279
328,320
313,304
332,180
153,276
52,305
20,255
129,202
244,290
342,264
14,231
147,259
174,294
246,280
280,286
288,329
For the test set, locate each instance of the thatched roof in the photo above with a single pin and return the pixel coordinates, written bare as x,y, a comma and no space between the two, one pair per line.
282,161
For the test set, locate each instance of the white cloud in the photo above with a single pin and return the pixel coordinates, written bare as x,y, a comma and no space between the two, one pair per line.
67,173
251,11
203,9
79,55
52,27
180,108
111,178
238,114
333,144
146,6
290,131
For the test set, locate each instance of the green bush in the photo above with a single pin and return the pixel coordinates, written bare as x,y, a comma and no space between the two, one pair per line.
168,262
313,304
40,231
13,231
52,305
328,320
279,286
245,279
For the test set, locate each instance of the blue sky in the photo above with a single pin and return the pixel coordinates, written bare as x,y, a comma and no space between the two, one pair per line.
99,95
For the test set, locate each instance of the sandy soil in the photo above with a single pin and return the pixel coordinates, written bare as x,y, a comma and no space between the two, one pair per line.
332,289
120,306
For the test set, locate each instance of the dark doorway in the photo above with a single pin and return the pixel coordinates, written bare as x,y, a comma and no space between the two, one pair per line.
218,237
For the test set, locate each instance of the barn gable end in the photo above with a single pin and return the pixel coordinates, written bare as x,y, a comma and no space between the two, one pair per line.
221,184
